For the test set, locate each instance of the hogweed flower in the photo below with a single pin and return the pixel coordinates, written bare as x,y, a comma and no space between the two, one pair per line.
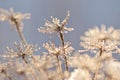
56,26
58,52
14,18
52,49
102,42
21,51
101,39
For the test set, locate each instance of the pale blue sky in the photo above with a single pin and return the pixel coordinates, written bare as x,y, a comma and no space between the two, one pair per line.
85,14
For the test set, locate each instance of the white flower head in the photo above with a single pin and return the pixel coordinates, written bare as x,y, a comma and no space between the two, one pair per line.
52,49
14,18
56,26
21,51
101,38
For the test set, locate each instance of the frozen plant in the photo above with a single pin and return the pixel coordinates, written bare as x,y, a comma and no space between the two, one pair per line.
15,19
62,61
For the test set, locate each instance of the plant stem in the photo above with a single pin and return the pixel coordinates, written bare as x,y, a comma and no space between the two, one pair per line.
62,41
98,66
19,31
59,65
20,34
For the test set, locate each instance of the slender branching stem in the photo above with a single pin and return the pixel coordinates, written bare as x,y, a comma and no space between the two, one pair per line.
20,34
63,43
22,38
19,31
98,65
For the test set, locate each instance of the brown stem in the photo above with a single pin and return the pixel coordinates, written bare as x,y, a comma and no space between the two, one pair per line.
19,31
20,34
23,57
62,41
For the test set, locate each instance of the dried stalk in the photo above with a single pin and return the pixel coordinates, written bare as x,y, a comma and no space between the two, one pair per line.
98,66
19,31
59,65
63,43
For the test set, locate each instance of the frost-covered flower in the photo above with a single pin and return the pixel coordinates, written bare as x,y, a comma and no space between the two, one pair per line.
14,18
22,49
101,38
52,49
56,26
80,74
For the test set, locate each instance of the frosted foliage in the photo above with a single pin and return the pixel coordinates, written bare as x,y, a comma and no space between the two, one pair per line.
60,61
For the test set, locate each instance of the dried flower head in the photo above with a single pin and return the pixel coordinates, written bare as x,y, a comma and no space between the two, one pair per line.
52,49
21,51
56,26
14,18
101,38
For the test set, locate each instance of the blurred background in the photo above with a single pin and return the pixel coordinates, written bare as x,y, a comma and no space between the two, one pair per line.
85,14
